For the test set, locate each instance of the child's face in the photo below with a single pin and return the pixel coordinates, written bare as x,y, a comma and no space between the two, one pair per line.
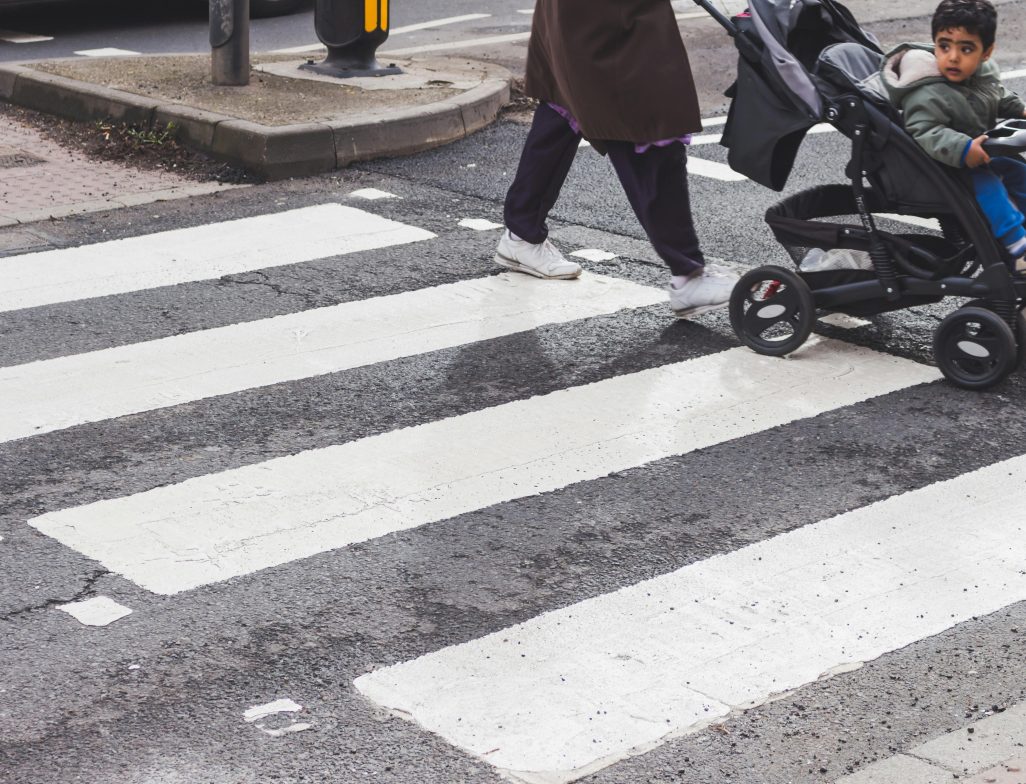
959,53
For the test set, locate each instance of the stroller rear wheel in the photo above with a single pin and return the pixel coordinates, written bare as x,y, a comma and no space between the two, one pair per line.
772,310
974,348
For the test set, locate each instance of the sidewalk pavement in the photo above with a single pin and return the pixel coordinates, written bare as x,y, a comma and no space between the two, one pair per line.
990,751
41,180
286,122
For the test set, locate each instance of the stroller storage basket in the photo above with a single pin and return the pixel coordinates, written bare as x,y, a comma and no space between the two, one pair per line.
797,223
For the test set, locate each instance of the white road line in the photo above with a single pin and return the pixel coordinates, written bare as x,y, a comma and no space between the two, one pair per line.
372,194
844,321
912,220
437,23
13,37
199,253
215,527
45,396
717,171
98,611
574,690
395,31
107,52
1017,74
467,44
714,138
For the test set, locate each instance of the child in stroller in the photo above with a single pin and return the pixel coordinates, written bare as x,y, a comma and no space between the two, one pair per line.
950,93
803,62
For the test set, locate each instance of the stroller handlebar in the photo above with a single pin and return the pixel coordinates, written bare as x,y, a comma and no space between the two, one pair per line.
716,14
1007,138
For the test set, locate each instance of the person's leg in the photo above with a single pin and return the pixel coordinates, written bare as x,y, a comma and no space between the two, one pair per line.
656,185
994,198
548,154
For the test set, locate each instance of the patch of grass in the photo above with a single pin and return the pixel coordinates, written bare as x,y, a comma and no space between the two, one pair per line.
138,138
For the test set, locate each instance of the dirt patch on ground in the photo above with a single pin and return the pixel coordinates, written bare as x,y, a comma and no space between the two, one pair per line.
267,99
146,150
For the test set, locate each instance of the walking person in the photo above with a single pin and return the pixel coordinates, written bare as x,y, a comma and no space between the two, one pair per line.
614,72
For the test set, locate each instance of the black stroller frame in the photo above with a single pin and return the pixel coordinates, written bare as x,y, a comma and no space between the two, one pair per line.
774,103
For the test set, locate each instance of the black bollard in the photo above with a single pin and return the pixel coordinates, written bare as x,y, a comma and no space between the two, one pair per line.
229,42
352,30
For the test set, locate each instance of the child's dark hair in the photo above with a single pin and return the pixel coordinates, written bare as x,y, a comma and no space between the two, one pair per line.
978,17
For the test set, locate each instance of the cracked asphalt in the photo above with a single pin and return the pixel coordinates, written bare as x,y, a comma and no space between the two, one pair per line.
159,696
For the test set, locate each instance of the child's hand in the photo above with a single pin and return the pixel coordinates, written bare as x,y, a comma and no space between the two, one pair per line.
977,156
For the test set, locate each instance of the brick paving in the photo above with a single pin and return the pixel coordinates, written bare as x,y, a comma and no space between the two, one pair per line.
40,179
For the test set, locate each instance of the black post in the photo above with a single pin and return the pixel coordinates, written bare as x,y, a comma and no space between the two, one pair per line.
229,42
352,30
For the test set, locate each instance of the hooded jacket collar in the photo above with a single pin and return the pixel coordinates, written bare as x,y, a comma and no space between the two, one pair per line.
910,66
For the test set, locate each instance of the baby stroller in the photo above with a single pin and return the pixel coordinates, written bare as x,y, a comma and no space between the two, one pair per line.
803,62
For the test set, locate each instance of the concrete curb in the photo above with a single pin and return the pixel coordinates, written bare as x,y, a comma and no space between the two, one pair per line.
273,152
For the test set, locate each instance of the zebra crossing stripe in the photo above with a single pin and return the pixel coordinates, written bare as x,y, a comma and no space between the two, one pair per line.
574,690
53,394
714,170
199,253
215,527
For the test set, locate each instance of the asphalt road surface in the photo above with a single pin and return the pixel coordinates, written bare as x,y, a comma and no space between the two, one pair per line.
66,28
382,512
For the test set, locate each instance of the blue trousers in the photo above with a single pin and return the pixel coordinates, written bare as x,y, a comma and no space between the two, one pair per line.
1000,188
655,181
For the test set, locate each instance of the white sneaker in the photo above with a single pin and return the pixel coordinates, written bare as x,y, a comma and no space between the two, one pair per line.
707,291
542,260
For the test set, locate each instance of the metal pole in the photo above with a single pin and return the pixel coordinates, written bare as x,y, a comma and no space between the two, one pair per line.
229,42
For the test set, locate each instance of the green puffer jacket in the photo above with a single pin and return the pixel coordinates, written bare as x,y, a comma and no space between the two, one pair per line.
942,116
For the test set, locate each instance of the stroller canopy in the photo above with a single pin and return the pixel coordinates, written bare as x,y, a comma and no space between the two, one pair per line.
776,99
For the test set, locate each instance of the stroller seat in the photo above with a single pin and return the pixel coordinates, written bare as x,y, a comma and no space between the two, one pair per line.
852,66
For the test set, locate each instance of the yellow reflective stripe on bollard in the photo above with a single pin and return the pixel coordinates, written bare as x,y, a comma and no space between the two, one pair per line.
384,14
370,15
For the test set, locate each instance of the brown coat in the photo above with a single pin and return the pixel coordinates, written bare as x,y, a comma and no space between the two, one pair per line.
619,66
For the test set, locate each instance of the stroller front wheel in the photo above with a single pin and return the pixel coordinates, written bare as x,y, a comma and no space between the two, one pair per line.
974,348
772,310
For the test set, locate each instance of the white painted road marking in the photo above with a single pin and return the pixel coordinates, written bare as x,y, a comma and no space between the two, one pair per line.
844,321
372,194
594,254
49,395
107,51
717,171
215,527
912,220
479,224
577,689
200,253
258,712
98,611
451,20
13,37
467,44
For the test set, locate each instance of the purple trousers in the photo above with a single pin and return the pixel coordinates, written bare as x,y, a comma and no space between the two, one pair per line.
655,181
